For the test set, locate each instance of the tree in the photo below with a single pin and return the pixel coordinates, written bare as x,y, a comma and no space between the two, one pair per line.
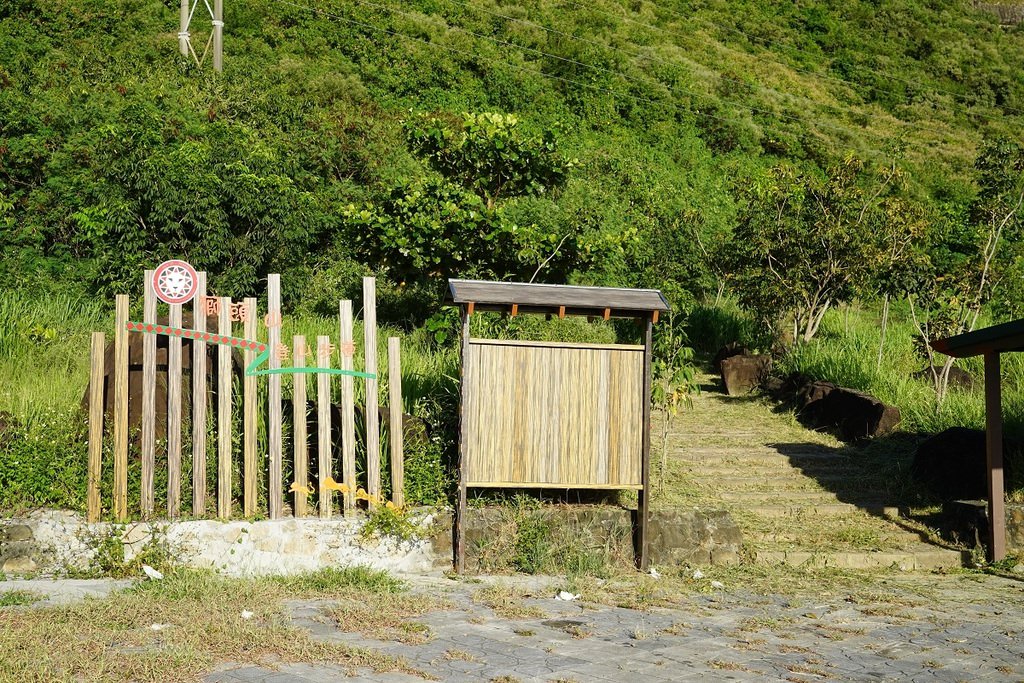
966,256
804,243
489,155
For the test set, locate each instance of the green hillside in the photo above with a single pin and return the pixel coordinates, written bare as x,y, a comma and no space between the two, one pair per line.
303,156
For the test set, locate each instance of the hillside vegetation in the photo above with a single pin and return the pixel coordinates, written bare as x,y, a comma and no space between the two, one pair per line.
789,158
115,152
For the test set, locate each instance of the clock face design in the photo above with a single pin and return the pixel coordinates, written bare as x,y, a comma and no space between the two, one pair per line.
175,282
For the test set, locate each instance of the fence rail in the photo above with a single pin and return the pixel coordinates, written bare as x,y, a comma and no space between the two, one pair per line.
258,387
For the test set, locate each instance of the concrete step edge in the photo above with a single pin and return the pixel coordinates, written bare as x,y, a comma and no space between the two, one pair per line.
923,560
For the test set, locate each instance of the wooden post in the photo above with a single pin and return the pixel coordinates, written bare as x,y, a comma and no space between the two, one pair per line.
994,452
299,416
274,414
348,411
372,407
644,494
396,434
121,408
250,467
459,529
199,400
323,422
174,415
96,353
224,414
148,398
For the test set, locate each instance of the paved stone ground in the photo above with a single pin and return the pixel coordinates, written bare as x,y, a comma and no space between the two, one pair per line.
64,591
955,628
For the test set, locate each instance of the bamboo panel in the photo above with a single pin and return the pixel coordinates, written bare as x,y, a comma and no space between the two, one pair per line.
174,416
275,417
299,416
224,414
323,419
148,398
249,465
396,435
95,424
348,410
558,415
121,407
372,404
199,399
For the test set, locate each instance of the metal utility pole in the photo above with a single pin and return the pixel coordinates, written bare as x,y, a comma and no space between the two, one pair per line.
215,39
218,35
183,43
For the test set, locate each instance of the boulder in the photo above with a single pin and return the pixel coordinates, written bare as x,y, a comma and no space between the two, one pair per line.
728,351
953,464
743,374
852,415
786,389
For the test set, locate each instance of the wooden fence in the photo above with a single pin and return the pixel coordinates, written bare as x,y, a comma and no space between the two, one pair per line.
260,385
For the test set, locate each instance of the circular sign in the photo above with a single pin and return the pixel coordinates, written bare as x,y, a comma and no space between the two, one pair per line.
175,282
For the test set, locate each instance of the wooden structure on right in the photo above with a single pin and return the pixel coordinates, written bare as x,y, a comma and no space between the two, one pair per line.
990,342
555,415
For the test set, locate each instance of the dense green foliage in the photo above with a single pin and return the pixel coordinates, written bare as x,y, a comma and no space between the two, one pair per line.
604,143
869,148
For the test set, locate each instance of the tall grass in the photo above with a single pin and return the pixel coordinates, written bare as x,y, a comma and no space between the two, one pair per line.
44,351
846,352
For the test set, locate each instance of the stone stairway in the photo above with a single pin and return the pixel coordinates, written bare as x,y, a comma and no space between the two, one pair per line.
800,497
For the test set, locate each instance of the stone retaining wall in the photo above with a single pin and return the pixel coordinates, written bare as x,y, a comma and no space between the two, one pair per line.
62,542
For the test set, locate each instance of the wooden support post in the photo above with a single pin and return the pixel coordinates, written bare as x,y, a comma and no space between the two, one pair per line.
299,416
459,529
199,399
174,415
561,312
250,468
644,494
323,422
654,318
372,404
274,417
515,310
96,353
348,411
121,408
396,434
994,452
224,414
607,314
146,494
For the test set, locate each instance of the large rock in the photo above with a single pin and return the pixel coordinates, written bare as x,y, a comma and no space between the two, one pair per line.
953,464
743,374
852,415
728,351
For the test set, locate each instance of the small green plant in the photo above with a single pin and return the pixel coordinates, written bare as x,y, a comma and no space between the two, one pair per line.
390,521
18,598
111,560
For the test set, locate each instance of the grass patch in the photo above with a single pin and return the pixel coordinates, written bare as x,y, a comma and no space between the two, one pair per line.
200,614
334,580
19,598
507,602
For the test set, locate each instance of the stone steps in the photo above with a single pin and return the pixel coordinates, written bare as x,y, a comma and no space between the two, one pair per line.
927,558
821,510
798,502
